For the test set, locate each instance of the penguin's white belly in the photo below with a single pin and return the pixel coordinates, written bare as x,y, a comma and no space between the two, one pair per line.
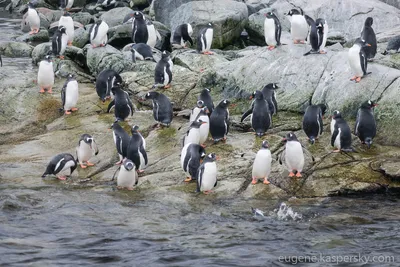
194,114
299,28
152,36
269,32
171,65
209,176
294,157
71,95
354,61
209,38
332,125
204,129
84,152
45,74
69,4
262,164
64,42
193,137
144,142
33,19
326,29
337,140
126,178
68,23
166,76
101,36
66,170
138,56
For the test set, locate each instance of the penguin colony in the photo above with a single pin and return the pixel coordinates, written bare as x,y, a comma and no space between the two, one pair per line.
205,118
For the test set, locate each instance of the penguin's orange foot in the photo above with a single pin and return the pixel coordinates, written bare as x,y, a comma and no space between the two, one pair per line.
89,163
188,179
41,90
119,187
31,32
61,57
130,188
201,70
94,46
336,151
203,145
74,109
291,174
358,79
271,47
63,178
298,174
140,171
322,52
83,166
295,41
167,86
302,42
50,91
353,78
68,9
67,112
266,181
119,162
254,181
207,192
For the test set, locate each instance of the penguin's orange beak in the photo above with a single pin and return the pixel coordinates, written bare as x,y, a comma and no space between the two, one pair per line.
368,44
251,97
284,140
233,105
204,122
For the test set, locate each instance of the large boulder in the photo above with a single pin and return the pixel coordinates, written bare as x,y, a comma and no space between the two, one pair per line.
115,16
15,49
40,51
394,3
120,35
81,37
83,17
40,37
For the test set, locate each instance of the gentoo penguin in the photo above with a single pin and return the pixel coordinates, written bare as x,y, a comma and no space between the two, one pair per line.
46,75
143,31
127,176
121,103
393,44
207,174
136,149
365,127
70,94
294,157
219,121
106,3
205,96
33,19
312,121
141,52
193,133
322,27
162,108
98,34
204,127
299,27
270,96
121,140
369,36
358,59
272,30
59,42
204,40
62,165
190,160
1,62
313,36
163,71
106,80
260,116
341,134
67,21
66,4
262,164
196,110
182,34
84,151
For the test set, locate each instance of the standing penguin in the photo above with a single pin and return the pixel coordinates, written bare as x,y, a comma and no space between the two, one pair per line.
260,116
163,71
369,36
85,150
143,31
68,23
59,42
294,157
70,94
106,80
66,4
207,174
127,176
205,96
270,96
46,75
272,30
33,19
365,127
298,26
98,34
162,108
141,52
312,121
262,164
182,34
121,103
204,40
193,133
205,126
219,121
393,44
136,150
61,165
341,134
196,110
190,160
358,59
121,140
322,27
313,36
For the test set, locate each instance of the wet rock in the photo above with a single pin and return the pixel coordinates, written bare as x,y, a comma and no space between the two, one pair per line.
82,17
15,49
40,37
81,37
120,35
115,16
391,169
196,62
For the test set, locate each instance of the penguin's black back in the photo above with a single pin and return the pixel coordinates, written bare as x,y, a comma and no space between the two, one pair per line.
269,96
206,98
369,36
122,110
217,123
139,31
135,143
345,133
165,112
365,124
261,118
312,121
144,49
102,81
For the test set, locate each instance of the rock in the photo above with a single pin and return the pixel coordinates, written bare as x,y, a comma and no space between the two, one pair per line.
115,16
165,33
196,62
50,15
394,3
82,17
254,6
40,37
40,51
120,35
65,67
15,49
81,37
141,4
390,169
255,27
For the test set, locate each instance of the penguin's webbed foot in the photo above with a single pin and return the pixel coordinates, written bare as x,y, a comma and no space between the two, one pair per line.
93,45
74,109
167,86
69,43
188,179
254,181
61,57
203,145
336,151
298,174
271,47
50,90
358,79
62,178
266,181
208,53
291,174
119,162
67,112
42,90
206,192
322,52
89,163
140,171
83,166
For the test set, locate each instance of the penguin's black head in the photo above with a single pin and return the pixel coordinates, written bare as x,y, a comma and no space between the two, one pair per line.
265,144
200,104
209,25
336,114
70,76
323,108
48,58
66,14
269,15
320,23
98,22
197,124
272,86
202,152
293,12
135,129
88,139
224,103
31,5
128,165
291,137
151,95
208,89
361,42
165,54
138,15
369,21
62,29
258,95
369,104
211,157
114,123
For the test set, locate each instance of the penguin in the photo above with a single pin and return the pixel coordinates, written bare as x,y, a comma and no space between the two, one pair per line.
312,121
162,108
141,52
193,133
365,127
369,36
121,103
207,174
270,96
121,141
33,19
262,164
341,134
67,21
272,30
260,116
45,77
219,121
196,110
294,157
204,40
107,3
127,176
106,80
191,156
313,36
62,165
298,26
205,126
59,42
66,4
393,44
143,31
205,96
98,34
1,62
70,94
182,34
136,150
163,71
322,28
84,151
358,59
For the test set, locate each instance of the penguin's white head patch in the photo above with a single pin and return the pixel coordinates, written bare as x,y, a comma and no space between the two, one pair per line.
369,102
209,90
202,154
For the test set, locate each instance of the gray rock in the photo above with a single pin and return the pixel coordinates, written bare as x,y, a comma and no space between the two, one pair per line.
40,51
41,36
65,67
394,3
196,62
254,6
15,49
50,15
120,35
139,3
82,17
81,37
115,16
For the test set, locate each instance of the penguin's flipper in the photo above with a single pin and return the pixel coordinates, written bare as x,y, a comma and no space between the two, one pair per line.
111,105
60,166
247,113
1,62
278,31
334,135
281,157
363,62
357,123
216,182
63,93
200,173
129,103
144,153
115,173
168,70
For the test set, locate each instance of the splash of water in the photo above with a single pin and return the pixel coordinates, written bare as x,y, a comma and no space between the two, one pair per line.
285,213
